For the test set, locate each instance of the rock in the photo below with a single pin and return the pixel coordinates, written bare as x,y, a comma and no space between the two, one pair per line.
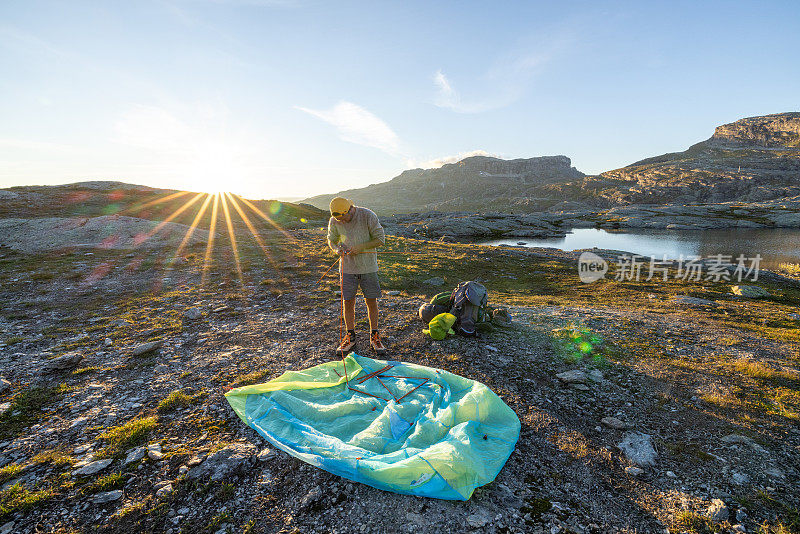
739,528
595,375
7,528
670,474
82,448
65,361
478,520
4,407
164,491
224,462
613,422
740,478
634,471
393,293
435,281
741,515
5,385
146,347
638,448
694,301
311,497
744,440
154,452
718,511
266,454
576,376
182,470
193,314
134,455
93,467
107,496
194,461
774,472
108,342
580,387
750,292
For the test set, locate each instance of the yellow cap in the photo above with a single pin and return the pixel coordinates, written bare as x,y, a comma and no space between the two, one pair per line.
340,205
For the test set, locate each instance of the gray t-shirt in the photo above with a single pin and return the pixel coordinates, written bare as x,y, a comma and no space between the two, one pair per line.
362,228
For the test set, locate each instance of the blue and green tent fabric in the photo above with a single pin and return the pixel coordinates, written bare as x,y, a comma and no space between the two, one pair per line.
443,440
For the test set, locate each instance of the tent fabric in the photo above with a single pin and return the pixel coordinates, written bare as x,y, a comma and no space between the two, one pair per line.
443,440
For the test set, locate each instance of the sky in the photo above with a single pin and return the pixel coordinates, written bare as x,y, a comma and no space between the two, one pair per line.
292,98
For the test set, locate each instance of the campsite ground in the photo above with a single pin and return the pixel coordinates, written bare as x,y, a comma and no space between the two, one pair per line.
714,382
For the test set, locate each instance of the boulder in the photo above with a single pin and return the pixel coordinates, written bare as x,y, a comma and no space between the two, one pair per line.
576,376
107,496
613,422
718,511
5,385
638,448
193,314
93,467
134,455
65,361
750,292
225,461
144,348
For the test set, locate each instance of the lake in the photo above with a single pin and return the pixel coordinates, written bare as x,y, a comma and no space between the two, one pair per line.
774,245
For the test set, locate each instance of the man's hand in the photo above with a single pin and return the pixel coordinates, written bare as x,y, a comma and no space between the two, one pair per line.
356,249
343,249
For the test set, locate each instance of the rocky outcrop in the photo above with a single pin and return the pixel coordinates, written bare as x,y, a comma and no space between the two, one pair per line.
471,226
111,232
751,160
770,131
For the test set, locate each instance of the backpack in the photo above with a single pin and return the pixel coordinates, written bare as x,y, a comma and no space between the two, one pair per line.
467,300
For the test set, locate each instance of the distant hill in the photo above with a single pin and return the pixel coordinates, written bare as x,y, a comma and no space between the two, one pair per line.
474,183
750,160
98,198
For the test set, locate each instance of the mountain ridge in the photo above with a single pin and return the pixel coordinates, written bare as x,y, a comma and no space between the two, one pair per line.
751,159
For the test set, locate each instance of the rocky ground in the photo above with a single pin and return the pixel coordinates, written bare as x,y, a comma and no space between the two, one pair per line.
644,407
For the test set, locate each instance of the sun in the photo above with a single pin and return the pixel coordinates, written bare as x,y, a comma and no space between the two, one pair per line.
215,168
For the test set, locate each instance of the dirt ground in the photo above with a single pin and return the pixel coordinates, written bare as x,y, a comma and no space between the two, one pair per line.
716,387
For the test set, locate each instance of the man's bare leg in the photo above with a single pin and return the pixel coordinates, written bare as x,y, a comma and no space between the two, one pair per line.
372,313
350,314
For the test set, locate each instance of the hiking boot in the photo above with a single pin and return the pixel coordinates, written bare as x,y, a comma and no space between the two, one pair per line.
347,344
377,344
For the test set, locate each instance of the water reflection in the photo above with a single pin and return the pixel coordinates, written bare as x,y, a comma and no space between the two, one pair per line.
774,245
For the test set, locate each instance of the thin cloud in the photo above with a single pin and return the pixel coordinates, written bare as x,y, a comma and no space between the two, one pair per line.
438,162
357,125
502,84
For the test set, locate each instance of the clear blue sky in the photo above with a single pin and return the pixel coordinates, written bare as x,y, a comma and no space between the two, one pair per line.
292,98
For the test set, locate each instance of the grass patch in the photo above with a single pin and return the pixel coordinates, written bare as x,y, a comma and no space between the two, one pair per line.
250,378
687,521
177,399
85,370
26,409
10,471
17,498
105,483
120,438
54,457
225,492
687,451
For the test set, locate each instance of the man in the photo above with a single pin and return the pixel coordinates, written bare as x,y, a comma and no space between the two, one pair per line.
354,233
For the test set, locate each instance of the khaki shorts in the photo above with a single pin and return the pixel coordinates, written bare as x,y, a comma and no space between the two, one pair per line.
368,283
